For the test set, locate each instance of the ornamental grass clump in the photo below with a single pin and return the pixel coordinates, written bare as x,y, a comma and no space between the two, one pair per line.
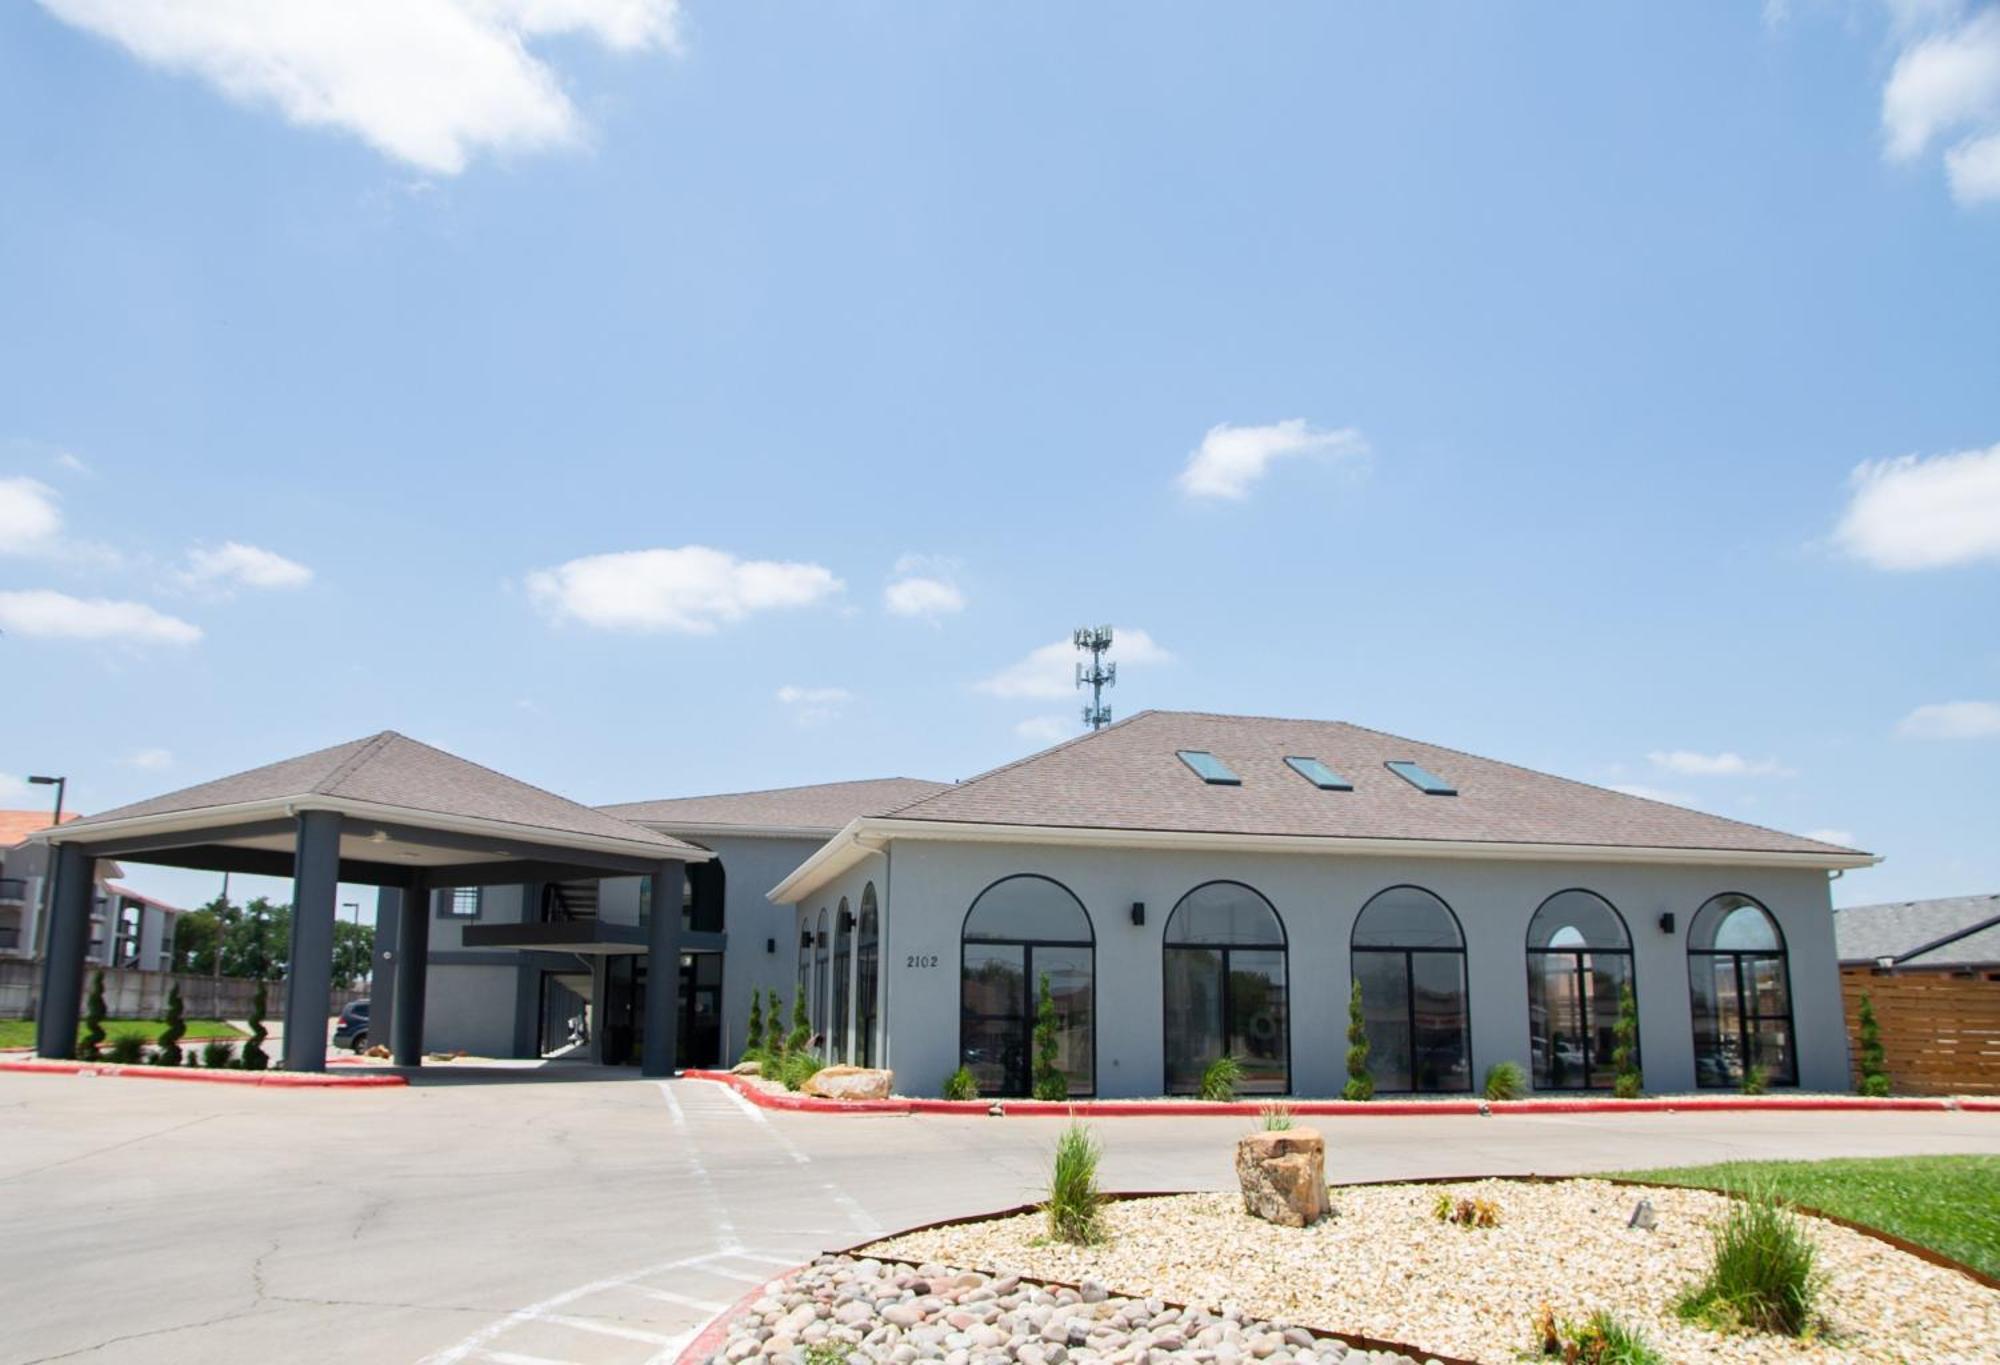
1599,1340
1074,1206
216,1054
1466,1213
1763,1274
1506,1081
1276,1118
1626,1079
1756,1080
127,1049
961,1085
1874,1062
1220,1079
1360,1084
797,1068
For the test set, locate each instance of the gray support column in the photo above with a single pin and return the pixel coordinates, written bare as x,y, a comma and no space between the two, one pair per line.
663,972
68,937
413,951
382,989
309,972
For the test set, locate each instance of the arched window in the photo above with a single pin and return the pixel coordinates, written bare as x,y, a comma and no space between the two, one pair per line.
1742,994
1225,989
843,953
1019,931
819,978
1409,957
1579,961
868,977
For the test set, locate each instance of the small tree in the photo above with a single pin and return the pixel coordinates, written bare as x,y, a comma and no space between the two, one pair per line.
801,1026
1360,1083
93,1020
254,1057
1874,1063
753,1037
176,1028
1050,1083
1626,1079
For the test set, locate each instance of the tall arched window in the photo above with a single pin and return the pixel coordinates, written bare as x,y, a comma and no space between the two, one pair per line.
1226,990
1742,994
1579,960
843,950
1409,956
819,977
868,976
1019,930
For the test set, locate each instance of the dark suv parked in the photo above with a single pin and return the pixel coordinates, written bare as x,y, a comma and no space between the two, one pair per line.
352,1030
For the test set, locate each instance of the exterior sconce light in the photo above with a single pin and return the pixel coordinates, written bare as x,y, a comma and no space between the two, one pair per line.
1666,921
805,938
847,920
1138,912
770,945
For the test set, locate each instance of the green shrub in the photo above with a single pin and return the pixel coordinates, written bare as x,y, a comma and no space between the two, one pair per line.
1601,1340
1467,1213
216,1053
1506,1081
1360,1084
254,1057
127,1049
1276,1118
828,1353
801,1033
1627,1080
1763,1271
1074,1202
1756,1080
1050,1083
93,1020
175,1028
1874,1063
961,1085
797,1068
753,1036
1220,1079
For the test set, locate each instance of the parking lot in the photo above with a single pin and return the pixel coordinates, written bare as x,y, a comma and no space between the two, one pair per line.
600,1217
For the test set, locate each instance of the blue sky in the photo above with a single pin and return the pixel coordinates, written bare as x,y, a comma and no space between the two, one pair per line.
649,399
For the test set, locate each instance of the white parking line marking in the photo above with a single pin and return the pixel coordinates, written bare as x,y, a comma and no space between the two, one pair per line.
516,1358
608,1329
742,1275
786,1261
684,1300
673,1106
754,1112
674,1346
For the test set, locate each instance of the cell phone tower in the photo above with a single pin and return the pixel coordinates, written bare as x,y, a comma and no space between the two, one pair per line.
1096,675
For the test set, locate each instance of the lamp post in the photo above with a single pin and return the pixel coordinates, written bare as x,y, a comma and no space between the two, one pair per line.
61,784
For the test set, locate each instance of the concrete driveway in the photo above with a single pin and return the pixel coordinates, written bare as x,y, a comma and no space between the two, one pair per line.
602,1217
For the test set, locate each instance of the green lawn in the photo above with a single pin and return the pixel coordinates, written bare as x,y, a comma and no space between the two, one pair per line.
21,1032
1950,1204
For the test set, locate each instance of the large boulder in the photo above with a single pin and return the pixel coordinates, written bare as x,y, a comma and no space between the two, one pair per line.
1283,1175
747,1069
850,1083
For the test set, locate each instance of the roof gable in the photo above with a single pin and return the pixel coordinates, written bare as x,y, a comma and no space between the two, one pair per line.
1127,777
825,806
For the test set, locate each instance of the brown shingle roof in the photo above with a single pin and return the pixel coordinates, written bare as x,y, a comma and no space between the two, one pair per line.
1128,777
389,769
826,806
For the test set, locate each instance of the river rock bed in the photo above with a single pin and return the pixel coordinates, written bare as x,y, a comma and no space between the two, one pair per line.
1383,1266
869,1310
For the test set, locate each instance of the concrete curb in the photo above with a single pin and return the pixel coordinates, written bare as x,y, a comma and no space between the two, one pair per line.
293,1080
1688,1104
716,1330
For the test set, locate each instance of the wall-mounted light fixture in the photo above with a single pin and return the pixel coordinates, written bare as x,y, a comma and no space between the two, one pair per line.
805,938
847,920
770,945
1138,912
1666,921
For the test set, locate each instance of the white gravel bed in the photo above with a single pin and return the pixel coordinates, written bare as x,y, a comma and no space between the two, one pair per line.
1383,1266
865,1310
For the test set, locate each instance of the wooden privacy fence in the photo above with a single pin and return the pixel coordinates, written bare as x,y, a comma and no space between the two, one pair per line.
1940,1033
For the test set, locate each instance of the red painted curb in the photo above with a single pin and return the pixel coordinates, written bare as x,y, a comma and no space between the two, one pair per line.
293,1080
1118,1109
712,1336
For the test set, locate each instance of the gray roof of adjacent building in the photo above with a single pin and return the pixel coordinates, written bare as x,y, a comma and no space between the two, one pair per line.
1128,777
822,808
1951,931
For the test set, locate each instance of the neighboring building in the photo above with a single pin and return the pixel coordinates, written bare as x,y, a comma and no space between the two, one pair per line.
1932,971
128,929
23,867
1959,935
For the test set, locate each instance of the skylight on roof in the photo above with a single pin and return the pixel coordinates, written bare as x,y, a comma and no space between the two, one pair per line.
1209,768
1321,776
1420,777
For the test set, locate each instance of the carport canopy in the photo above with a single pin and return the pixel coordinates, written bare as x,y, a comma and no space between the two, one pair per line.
385,811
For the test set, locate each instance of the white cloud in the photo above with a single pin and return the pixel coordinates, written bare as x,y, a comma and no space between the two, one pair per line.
690,590
925,597
1687,763
56,615
1672,798
72,462
811,705
1945,84
235,564
1046,729
1952,720
428,82
1912,513
150,760
1231,458
30,521
1051,670
1843,837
